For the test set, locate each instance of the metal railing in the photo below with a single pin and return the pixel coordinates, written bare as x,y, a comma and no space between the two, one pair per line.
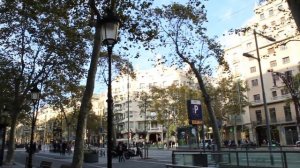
288,158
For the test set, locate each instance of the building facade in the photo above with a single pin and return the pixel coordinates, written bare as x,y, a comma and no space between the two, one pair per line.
272,18
129,117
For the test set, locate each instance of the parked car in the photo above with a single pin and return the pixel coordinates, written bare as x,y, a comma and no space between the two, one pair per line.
248,145
298,143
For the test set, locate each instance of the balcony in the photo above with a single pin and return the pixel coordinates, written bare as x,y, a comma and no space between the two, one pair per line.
256,102
281,98
235,120
273,122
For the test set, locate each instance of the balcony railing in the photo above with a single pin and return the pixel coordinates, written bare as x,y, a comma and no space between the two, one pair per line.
283,97
272,99
273,122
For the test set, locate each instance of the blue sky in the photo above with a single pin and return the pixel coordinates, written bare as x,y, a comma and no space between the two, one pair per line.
223,14
226,14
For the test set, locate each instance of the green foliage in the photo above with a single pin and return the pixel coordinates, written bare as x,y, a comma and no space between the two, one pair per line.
45,43
144,102
229,98
170,104
42,44
181,29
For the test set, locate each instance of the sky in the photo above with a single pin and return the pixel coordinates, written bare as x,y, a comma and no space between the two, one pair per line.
222,15
226,14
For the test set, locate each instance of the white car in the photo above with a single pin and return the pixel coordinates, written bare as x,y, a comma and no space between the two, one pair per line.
298,143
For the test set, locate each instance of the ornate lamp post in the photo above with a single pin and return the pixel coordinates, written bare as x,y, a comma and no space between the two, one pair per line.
109,26
3,123
35,97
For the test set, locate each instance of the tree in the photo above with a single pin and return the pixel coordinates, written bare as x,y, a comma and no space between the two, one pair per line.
93,125
229,100
169,104
134,27
292,84
144,105
181,28
41,44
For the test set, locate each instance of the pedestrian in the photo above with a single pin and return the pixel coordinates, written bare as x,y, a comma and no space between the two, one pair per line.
120,152
64,147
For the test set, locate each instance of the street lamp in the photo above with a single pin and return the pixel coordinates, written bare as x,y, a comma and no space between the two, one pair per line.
109,26
128,133
3,123
263,89
35,97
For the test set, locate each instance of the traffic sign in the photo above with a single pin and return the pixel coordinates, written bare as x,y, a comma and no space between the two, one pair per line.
194,112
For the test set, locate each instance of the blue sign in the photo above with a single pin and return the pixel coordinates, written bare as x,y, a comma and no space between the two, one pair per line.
194,111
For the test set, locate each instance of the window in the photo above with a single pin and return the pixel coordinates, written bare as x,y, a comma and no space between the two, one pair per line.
253,69
288,74
280,8
283,47
273,63
271,50
262,16
142,85
282,20
287,113
275,78
284,92
285,60
256,97
274,93
273,115
271,12
254,82
258,116
273,23
249,45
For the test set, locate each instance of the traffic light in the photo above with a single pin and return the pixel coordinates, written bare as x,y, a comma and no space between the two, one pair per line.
295,9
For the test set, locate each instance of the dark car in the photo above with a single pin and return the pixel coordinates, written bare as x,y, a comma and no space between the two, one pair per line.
249,145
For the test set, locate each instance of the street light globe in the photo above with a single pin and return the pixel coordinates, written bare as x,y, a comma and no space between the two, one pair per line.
109,26
35,94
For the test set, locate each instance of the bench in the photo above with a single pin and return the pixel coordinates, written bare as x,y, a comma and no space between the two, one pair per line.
45,164
183,166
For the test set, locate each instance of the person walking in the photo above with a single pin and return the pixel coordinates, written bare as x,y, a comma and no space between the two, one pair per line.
120,152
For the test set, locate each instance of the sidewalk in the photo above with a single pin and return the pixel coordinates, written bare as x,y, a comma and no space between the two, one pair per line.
15,165
101,160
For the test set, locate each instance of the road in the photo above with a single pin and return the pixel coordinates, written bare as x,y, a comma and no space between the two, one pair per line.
156,159
159,158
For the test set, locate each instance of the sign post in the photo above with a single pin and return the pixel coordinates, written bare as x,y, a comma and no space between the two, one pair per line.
195,115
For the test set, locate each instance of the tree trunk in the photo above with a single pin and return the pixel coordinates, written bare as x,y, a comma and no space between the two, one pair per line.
211,112
11,139
77,161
